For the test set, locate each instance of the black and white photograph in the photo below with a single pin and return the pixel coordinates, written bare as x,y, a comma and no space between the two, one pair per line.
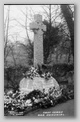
39,60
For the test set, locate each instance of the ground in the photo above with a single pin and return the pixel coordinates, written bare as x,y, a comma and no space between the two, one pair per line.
66,109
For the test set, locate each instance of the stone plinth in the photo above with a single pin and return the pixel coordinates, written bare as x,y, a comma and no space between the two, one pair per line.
28,85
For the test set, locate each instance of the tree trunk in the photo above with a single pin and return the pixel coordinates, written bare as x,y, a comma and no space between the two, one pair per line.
70,23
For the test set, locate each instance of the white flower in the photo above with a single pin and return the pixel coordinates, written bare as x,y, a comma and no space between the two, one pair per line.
10,92
28,103
18,100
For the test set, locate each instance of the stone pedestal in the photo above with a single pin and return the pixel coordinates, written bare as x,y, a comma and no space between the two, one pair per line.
37,83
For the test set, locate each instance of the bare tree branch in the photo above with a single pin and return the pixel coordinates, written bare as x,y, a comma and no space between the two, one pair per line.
6,30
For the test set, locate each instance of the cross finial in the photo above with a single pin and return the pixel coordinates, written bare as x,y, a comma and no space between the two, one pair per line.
37,24
38,18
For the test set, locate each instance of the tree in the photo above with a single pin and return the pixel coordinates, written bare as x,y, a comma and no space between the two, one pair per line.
64,29
68,15
6,34
28,48
28,45
51,39
8,45
51,36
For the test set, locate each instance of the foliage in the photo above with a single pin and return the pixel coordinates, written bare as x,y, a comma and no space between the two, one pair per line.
29,51
61,69
17,103
68,15
37,72
12,76
51,39
20,104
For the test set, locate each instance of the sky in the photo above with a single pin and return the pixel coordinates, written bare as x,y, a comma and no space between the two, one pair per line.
18,18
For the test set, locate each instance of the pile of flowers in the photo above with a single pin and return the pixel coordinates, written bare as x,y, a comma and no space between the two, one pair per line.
35,72
18,104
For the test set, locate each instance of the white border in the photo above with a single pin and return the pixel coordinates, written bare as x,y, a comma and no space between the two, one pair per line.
77,57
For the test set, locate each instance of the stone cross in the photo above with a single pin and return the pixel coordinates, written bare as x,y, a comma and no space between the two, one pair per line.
38,28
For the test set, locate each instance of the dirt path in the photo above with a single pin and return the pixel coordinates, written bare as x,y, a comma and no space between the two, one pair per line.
64,109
